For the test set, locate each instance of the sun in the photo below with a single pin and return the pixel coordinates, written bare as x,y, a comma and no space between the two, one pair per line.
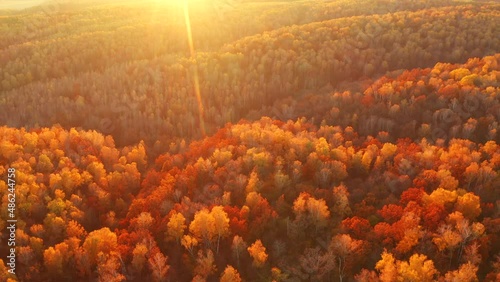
182,2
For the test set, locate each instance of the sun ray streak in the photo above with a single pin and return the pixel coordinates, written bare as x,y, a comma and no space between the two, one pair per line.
195,72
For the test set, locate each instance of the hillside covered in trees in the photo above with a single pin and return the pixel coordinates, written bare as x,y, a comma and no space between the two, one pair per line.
250,141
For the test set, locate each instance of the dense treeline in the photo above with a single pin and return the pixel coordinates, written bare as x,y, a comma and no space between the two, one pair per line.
159,95
293,202
443,102
55,39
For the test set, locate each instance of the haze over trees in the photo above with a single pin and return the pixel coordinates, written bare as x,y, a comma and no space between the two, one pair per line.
278,141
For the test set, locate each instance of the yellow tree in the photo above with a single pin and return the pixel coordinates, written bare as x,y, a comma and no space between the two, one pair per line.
203,227
309,210
387,268
318,212
44,164
53,261
221,221
341,201
230,275
102,240
258,253
418,268
442,197
466,273
469,205
176,226
138,155
189,242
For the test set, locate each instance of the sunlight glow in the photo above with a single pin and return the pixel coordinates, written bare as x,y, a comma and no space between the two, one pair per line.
183,2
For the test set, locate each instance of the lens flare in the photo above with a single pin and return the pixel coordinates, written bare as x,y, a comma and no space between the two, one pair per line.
195,72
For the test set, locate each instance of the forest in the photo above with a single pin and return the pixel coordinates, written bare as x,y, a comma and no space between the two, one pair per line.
248,140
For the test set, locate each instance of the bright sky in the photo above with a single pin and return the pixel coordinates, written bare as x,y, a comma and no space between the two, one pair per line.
19,4
22,4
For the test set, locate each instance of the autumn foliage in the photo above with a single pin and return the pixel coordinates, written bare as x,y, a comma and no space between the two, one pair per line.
341,142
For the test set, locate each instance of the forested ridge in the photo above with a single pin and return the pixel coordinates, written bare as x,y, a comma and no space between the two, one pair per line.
236,79
300,141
